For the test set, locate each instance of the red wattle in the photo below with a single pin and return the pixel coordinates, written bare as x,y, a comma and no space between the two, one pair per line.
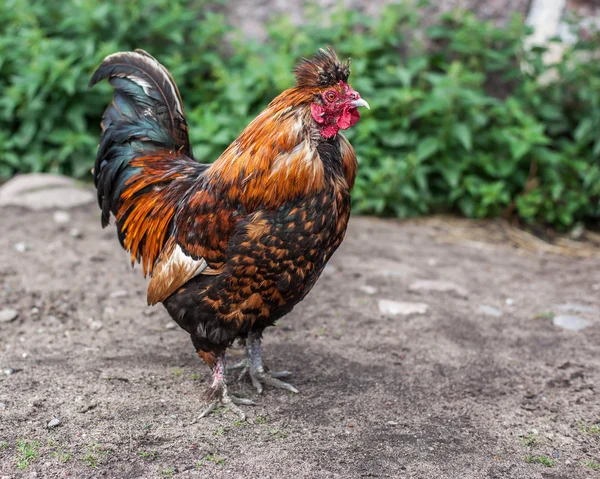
348,118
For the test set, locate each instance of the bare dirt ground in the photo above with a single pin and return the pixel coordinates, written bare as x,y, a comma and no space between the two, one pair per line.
452,393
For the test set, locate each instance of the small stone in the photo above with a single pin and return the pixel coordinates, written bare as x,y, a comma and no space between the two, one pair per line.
392,423
330,269
2,405
54,422
571,323
11,371
61,217
42,191
75,233
489,311
170,325
439,287
576,308
509,301
365,288
24,355
119,294
35,311
95,325
8,315
387,306
577,233
22,247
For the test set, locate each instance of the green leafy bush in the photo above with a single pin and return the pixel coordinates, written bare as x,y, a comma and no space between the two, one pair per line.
463,117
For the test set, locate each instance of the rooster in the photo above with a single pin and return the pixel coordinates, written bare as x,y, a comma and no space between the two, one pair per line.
232,246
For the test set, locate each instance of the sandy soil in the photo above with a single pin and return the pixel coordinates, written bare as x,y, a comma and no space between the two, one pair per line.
452,393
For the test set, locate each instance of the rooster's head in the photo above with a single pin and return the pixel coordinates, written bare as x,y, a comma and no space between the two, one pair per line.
335,104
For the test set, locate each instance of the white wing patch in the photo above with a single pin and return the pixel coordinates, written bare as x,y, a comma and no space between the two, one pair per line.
137,80
172,270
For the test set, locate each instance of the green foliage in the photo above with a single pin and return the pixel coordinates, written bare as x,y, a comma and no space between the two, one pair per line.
546,461
462,117
593,465
27,452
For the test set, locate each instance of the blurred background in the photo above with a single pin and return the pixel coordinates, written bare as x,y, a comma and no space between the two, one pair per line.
474,111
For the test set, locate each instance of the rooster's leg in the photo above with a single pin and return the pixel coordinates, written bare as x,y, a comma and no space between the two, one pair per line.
253,365
217,395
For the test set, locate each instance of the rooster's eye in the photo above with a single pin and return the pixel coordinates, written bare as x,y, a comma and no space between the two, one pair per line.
330,96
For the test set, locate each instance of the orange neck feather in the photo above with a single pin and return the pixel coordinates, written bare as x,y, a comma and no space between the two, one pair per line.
275,159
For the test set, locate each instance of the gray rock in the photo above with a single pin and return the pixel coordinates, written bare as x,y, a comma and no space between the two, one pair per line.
95,325
2,405
54,422
39,191
394,308
572,323
119,294
170,325
438,287
22,247
330,270
489,311
576,308
75,233
61,217
365,288
8,315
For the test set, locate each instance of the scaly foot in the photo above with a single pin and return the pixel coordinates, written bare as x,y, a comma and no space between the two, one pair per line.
253,365
217,395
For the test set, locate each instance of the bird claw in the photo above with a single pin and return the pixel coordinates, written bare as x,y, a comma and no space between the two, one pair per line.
228,402
222,398
258,378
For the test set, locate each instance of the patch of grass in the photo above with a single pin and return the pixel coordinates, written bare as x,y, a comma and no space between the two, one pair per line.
96,455
27,452
219,431
195,377
220,410
593,465
240,423
3,445
167,472
279,434
529,440
148,454
177,372
216,460
61,454
591,429
546,461
261,419
544,315
147,426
